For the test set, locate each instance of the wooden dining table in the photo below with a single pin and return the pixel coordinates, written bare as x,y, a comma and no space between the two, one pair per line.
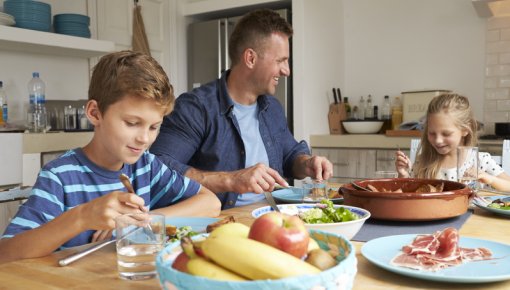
99,269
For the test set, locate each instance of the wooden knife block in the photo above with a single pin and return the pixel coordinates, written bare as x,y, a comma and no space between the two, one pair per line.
336,115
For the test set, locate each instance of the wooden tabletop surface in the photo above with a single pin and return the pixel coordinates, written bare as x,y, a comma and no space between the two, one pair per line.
99,269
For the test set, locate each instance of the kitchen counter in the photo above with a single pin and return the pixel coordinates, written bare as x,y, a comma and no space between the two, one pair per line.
380,141
54,141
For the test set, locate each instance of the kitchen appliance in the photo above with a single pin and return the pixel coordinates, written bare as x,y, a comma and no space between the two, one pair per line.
208,57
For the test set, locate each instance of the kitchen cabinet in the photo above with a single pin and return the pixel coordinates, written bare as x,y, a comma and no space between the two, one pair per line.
7,211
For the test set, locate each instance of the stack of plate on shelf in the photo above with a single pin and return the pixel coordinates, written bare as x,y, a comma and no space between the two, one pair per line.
6,19
72,24
29,14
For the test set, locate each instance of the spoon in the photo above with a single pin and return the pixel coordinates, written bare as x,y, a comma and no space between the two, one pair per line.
359,187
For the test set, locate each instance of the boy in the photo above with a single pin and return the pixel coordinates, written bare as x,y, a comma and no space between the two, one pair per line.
77,196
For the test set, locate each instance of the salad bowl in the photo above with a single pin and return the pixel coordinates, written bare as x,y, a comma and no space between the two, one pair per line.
348,229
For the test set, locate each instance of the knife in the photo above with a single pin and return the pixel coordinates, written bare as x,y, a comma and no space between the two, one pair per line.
334,96
339,94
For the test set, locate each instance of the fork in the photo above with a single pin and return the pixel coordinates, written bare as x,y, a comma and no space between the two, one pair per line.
270,200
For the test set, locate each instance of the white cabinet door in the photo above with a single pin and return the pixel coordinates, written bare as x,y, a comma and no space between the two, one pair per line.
115,23
11,158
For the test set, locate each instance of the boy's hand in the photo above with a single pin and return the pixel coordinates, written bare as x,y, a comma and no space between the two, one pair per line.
101,235
100,213
402,164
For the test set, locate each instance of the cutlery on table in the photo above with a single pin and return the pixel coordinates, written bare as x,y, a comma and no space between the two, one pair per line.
270,200
73,257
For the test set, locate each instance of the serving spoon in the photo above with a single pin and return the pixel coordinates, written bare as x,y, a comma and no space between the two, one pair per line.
359,187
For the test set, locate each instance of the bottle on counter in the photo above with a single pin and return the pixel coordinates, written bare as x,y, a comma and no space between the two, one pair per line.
369,109
3,105
36,115
386,114
361,108
396,113
347,108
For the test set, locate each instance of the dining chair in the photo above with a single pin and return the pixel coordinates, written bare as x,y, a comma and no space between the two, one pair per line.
503,160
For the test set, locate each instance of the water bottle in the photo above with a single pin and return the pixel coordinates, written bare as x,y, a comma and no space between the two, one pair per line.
3,104
369,109
361,109
36,115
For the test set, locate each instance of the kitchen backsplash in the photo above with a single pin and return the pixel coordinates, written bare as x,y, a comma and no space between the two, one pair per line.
497,72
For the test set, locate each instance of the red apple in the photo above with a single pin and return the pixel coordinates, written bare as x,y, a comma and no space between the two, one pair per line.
285,232
181,262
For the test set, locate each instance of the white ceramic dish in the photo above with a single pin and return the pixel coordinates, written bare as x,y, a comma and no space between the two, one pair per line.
346,229
362,127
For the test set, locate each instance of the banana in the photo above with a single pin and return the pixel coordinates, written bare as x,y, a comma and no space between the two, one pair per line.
201,267
253,259
231,229
312,245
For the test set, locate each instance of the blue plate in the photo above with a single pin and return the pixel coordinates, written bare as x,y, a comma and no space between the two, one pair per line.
198,224
491,209
381,251
294,195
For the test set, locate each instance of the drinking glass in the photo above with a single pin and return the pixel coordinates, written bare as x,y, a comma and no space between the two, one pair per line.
140,237
467,166
315,190
386,174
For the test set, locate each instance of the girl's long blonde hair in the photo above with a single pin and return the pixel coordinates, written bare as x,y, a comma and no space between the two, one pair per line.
428,162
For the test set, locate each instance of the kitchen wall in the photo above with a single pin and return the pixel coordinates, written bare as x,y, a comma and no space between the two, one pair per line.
384,47
497,81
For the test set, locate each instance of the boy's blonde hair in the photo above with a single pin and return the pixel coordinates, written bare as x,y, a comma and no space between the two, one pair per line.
429,161
129,73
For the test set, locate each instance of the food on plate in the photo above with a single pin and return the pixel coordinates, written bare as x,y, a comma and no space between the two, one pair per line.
437,251
500,203
421,189
282,231
176,233
226,220
334,193
325,212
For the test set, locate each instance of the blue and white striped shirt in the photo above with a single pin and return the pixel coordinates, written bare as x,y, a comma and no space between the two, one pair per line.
73,179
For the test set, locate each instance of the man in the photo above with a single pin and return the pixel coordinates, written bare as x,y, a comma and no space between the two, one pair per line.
231,134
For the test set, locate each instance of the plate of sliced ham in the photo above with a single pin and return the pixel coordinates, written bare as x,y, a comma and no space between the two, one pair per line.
443,256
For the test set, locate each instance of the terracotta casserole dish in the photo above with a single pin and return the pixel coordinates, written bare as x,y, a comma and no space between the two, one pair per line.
409,205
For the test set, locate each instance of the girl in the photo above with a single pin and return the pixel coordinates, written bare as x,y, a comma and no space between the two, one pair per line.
450,123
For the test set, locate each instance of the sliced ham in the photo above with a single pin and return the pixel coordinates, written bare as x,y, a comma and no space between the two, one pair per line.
438,251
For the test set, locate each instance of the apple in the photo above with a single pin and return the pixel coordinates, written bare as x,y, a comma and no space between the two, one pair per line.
181,262
282,231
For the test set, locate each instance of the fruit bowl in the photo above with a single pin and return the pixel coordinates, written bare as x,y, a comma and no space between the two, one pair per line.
339,277
362,126
409,205
346,229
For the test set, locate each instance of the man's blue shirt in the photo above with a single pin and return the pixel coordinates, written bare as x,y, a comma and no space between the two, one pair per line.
203,133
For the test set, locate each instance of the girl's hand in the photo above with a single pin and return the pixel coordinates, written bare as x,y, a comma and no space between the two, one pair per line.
402,164
486,178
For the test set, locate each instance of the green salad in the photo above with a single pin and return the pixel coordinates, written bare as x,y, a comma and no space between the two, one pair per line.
326,213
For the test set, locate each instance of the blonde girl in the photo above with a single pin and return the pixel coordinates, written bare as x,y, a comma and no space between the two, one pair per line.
450,123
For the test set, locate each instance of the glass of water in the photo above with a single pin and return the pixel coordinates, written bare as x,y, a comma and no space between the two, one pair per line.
467,166
315,190
140,237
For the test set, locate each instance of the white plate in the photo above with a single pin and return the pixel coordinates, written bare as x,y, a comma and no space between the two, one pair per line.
503,212
381,251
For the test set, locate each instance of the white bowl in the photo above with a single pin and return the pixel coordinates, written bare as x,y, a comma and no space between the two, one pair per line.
362,127
346,229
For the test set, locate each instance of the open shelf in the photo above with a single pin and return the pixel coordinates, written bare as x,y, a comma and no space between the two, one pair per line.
32,41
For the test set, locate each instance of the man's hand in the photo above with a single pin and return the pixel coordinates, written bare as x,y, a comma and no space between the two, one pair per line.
316,167
257,178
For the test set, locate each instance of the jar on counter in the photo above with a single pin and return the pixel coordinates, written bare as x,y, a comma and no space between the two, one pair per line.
396,113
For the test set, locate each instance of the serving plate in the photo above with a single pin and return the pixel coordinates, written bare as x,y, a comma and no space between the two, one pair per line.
381,251
198,224
502,212
294,195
